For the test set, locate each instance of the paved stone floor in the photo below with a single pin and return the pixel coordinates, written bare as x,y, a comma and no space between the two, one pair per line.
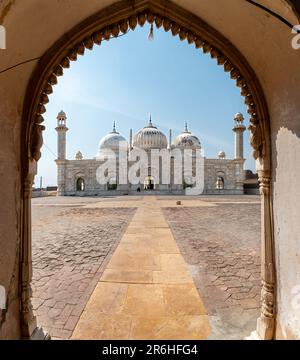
146,290
70,245
74,239
222,251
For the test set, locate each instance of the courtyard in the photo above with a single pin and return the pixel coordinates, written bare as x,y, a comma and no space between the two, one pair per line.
146,268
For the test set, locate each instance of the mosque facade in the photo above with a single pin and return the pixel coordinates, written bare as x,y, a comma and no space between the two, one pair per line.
80,176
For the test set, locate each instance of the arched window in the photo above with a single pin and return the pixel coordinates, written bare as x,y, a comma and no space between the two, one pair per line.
80,186
220,183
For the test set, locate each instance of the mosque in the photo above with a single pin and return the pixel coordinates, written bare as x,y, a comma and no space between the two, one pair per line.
78,177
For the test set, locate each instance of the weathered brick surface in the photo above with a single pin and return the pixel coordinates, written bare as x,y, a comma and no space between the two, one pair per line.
70,246
222,247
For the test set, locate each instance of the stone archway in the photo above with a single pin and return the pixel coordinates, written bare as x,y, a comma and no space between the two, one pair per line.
108,23
80,184
149,183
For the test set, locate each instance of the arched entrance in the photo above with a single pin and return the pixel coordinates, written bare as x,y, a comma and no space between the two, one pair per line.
109,23
80,184
220,183
149,183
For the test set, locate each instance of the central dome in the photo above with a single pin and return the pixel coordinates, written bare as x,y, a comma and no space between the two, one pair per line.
150,138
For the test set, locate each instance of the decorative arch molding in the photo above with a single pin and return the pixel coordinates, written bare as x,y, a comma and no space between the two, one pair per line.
110,22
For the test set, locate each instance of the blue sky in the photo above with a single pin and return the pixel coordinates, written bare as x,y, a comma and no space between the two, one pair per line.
126,79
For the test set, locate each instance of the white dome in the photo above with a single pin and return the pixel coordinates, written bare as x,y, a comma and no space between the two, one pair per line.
61,113
112,141
186,140
239,117
150,138
222,155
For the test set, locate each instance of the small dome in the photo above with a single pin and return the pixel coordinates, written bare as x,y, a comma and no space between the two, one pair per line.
239,117
222,155
150,138
78,155
61,113
187,140
112,141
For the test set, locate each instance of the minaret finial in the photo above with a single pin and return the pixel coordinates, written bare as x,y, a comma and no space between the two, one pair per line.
130,139
150,121
151,35
170,139
186,127
114,126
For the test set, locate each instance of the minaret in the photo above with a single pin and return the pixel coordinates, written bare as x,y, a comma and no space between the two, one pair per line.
170,139
61,135
239,129
130,139
61,152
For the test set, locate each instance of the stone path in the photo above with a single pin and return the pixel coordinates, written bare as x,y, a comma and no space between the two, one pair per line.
146,290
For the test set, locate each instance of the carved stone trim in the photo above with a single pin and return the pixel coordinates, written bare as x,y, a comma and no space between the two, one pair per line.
36,141
256,139
266,322
28,320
